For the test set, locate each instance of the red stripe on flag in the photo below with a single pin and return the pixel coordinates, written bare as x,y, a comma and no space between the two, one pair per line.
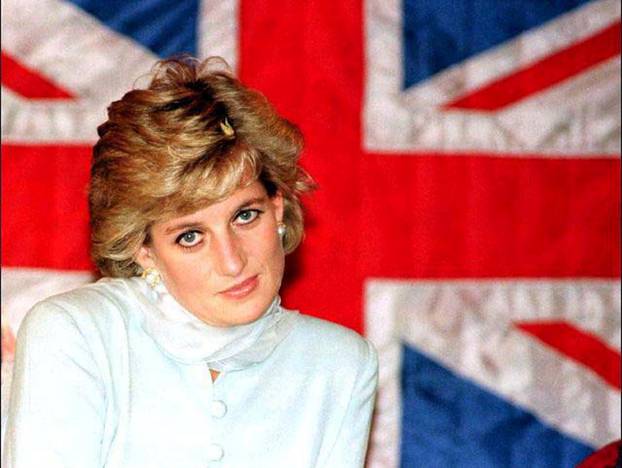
44,206
412,216
28,83
544,73
579,345
438,216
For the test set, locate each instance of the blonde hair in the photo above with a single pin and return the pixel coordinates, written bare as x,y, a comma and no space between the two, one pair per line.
191,138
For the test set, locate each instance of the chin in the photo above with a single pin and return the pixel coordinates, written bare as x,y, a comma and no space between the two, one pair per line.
255,308
242,311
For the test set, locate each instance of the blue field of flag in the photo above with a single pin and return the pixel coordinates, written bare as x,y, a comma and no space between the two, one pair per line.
448,421
439,34
166,27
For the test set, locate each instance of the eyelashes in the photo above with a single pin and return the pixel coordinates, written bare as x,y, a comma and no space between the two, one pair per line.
247,216
189,239
194,237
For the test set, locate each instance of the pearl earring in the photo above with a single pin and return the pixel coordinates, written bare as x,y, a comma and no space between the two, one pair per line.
151,276
281,230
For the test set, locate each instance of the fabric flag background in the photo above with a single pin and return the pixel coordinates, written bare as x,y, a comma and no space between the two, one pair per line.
468,215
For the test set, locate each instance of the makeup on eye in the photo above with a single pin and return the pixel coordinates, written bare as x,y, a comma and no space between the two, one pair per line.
193,237
247,215
189,239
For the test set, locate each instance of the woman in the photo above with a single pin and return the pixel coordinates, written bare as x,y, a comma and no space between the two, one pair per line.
182,356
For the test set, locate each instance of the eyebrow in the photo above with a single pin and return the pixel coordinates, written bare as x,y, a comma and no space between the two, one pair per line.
198,225
182,227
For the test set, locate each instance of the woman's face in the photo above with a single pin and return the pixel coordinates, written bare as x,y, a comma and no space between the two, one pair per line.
224,263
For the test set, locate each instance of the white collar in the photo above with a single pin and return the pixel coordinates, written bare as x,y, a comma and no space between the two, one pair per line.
186,338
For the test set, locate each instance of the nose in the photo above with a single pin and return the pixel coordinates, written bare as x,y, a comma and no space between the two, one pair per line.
228,255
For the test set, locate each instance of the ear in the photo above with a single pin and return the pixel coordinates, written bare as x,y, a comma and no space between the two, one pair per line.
278,202
144,257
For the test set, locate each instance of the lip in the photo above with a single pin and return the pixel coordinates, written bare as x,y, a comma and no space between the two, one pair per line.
242,289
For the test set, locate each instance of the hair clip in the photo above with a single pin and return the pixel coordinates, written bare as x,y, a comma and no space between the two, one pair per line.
226,128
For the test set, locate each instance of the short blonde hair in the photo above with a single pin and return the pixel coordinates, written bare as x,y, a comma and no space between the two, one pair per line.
191,138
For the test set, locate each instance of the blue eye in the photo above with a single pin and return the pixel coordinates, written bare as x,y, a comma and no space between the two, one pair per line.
247,216
189,239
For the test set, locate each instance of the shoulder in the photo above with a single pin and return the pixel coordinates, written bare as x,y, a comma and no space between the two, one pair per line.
107,292
333,345
338,364
330,335
78,309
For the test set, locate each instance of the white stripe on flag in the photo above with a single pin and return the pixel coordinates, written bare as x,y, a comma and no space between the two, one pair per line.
468,326
582,112
219,30
397,120
77,52
526,49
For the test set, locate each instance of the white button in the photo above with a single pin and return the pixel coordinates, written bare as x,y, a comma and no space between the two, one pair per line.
219,409
215,452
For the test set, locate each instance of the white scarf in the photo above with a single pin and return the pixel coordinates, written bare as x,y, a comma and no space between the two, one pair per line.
186,338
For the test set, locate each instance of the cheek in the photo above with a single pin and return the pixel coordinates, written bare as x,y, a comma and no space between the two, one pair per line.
179,270
177,277
266,248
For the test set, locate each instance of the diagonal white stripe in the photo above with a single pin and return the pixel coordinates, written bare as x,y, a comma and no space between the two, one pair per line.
95,63
49,121
468,326
73,48
586,125
515,54
79,53
582,112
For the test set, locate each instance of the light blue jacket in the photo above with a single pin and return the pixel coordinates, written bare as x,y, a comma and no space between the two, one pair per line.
92,389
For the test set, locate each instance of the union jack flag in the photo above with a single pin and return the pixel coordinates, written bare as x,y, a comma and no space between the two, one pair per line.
468,217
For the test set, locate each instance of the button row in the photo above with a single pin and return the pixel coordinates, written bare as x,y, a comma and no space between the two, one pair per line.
218,410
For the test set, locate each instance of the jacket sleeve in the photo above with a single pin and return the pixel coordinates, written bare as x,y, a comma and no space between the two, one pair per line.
351,445
57,402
